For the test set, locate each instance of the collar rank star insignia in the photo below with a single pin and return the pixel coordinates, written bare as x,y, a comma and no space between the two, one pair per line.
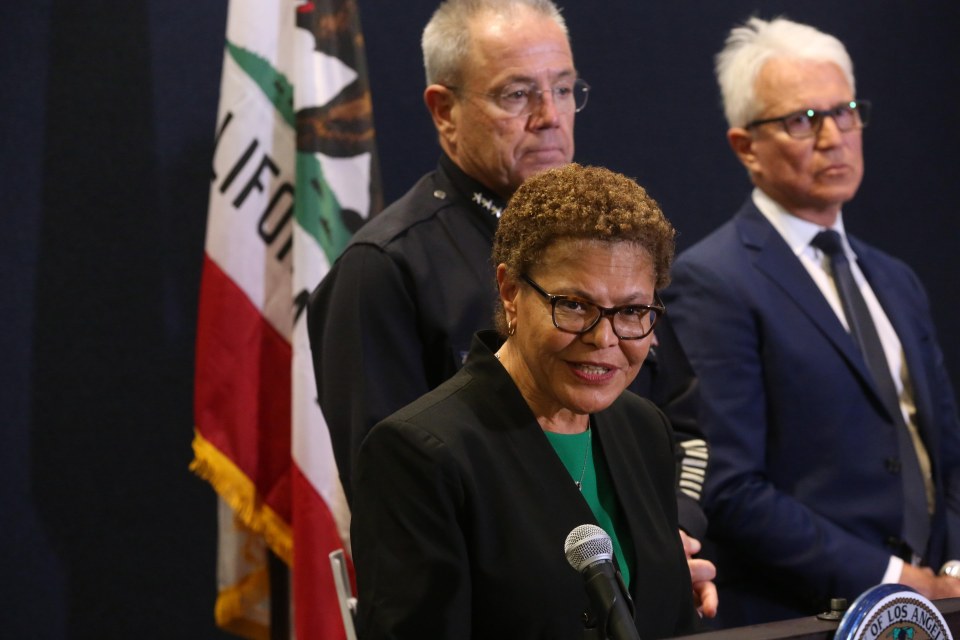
487,204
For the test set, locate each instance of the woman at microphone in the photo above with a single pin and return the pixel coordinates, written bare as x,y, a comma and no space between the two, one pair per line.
464,498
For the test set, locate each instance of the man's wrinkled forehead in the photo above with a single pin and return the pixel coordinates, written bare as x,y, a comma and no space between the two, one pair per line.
527,47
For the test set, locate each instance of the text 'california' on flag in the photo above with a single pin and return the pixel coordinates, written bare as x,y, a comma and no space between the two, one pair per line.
294,174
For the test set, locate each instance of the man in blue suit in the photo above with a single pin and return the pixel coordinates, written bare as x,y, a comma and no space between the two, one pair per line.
819,484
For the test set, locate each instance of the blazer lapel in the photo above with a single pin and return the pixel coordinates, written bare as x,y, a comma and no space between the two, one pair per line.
547,478
775,260
904,324
540,475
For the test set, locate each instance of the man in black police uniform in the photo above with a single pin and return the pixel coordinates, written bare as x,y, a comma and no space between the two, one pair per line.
395,315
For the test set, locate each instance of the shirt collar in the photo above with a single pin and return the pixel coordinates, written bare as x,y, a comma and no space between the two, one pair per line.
797,232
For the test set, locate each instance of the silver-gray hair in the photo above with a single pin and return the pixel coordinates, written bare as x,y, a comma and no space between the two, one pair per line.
753,44
446,38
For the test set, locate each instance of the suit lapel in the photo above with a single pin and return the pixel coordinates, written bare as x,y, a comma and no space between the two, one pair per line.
775,260
539,473
546,473
900,314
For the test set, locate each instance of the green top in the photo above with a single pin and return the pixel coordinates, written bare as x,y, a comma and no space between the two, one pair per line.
597,490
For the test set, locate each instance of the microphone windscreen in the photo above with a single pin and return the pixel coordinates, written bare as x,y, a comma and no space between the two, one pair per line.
587,544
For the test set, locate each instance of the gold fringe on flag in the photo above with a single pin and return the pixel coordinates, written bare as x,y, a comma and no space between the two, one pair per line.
238,491
233,604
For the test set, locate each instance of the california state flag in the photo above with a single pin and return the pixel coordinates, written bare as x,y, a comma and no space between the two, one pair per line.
294,174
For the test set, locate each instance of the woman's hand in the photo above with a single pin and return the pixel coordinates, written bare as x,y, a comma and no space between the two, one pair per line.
702,573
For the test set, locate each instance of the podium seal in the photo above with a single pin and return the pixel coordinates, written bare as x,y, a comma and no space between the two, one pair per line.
892,612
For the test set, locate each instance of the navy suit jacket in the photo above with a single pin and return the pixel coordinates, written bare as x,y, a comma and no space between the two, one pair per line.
803,494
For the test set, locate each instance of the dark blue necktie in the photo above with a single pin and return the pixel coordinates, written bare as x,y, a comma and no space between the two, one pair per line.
864,332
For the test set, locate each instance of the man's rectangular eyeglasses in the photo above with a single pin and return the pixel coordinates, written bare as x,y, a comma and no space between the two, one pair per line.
807,123
523,98
629,321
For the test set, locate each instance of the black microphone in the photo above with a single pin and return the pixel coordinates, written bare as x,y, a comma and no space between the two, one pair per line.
589,551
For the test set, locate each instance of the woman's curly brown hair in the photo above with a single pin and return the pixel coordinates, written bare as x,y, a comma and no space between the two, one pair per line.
579,202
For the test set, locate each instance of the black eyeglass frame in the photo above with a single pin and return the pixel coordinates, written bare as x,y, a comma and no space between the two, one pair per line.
657,308
579,86
860,109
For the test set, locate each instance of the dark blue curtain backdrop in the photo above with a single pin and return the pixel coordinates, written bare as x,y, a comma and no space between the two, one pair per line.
107,123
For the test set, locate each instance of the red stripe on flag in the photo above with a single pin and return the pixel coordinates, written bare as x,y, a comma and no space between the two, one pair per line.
316,607
243,387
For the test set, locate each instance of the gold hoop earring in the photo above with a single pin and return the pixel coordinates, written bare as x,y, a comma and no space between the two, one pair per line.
511,327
